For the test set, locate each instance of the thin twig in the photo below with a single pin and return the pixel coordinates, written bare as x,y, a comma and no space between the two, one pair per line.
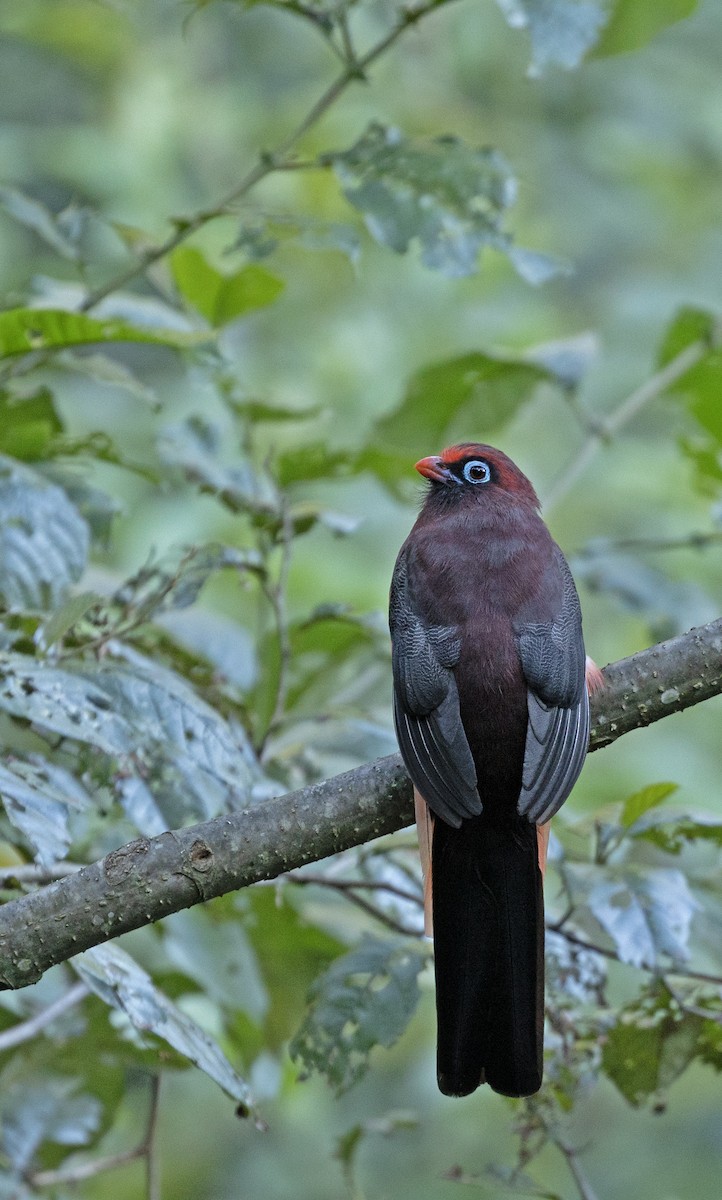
345,885
383,917
696,540
267,163
276,594
152,1162
605,430
584,1187
32,873
85,1170
111,1162
606,952
348,888
25,1030
693,1010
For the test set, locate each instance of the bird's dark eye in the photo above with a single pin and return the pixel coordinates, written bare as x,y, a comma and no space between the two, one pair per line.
477,471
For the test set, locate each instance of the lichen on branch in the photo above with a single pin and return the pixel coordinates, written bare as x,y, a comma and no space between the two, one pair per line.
147,879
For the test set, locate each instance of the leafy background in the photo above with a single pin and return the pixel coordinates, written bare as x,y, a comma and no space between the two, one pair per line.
205,479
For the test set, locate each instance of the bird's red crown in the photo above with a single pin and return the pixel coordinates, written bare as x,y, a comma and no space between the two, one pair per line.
448,467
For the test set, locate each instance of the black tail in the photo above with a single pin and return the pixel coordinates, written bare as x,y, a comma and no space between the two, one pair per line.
489,951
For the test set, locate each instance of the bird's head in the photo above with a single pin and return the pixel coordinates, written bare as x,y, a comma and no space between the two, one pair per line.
472,471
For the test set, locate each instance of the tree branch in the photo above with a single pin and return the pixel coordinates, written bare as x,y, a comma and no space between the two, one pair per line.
145,880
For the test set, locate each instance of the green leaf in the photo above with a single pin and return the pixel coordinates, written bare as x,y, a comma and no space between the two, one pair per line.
256,411
449,196
650,1046
23,330
672,832
700,387
218,956
121,983
633,23
291,953
640,802
218,297
28,425
365,999
64,618
315,460
43,540
482,390
705,455
562,32
38,797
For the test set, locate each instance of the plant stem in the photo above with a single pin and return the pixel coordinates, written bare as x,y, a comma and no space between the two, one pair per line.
604,431
268,163
25,1030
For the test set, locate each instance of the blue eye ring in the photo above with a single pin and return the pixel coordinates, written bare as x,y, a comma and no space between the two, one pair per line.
477,471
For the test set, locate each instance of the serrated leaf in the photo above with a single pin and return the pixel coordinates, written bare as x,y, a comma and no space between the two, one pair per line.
95,506
365,999
38,797
448,196
633,23
562,32
120,982
38,1109
23,330
43,539
220,297
145,717
640,802
28,424
647,913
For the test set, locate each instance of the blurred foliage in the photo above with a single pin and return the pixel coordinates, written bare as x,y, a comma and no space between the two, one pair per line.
207,426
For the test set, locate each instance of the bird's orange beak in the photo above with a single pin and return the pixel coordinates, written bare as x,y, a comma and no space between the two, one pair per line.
433,468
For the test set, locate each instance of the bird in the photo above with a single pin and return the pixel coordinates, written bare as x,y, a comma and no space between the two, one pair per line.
491,708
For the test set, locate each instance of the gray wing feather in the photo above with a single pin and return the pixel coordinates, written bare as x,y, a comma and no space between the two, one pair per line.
426,708
553,660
